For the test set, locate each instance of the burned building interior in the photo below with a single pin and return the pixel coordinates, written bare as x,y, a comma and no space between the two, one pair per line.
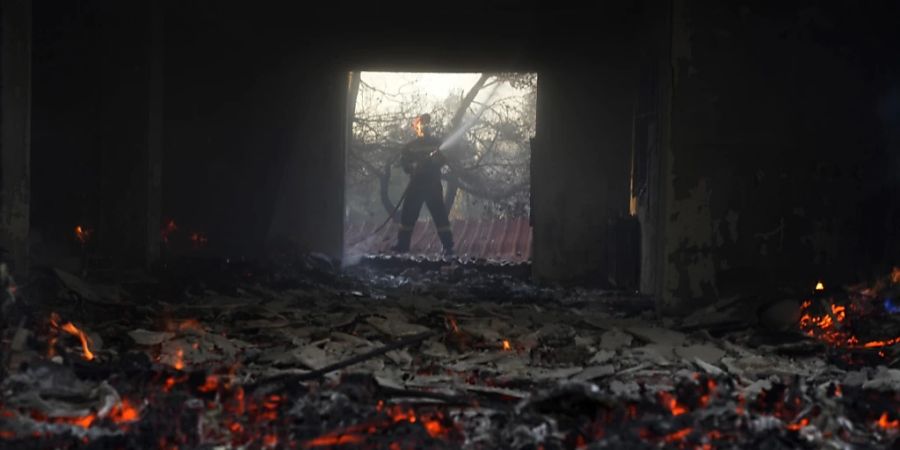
697,245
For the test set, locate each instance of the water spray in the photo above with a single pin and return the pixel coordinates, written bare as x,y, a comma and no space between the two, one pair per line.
455,136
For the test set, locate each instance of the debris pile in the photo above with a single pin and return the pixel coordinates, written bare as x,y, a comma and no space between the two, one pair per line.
406,354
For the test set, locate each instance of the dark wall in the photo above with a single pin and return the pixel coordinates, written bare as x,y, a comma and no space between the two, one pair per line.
65,126
777,127
779,169
96,124
254,112
15,132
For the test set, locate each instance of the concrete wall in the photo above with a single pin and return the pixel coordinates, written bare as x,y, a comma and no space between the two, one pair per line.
15,130
254,102
778,169
97,123
580,168
251,138
773,159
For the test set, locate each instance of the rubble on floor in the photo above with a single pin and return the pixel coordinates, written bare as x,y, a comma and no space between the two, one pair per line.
404,354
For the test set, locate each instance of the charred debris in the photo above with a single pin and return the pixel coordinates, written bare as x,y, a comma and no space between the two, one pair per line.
401,353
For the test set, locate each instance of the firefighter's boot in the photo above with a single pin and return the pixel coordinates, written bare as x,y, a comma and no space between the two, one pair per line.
447,241
403,238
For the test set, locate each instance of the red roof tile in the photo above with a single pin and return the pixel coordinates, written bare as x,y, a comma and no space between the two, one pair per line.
499,239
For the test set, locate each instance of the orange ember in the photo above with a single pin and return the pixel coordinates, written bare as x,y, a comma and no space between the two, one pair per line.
73,330
179,360
671,403
678,435
433,423
506,345
167,230
877,344
830,328
124,412
839,312
820,286
434,428
580,442
189,324
710,388
172,381
895,275
211,384
451,322
83,422
885,424
83,234
330,440
70,328
797,426
198,239
235,427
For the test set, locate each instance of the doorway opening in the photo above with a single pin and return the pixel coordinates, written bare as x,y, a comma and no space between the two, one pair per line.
480,125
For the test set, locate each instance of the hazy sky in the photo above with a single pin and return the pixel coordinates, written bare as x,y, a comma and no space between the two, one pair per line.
435,86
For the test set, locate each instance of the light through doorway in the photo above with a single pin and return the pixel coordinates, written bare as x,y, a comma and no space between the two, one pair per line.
482,125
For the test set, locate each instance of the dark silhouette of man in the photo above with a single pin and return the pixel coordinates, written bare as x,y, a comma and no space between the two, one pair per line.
422,160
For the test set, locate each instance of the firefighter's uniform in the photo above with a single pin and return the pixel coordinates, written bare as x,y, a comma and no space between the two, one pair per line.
422,161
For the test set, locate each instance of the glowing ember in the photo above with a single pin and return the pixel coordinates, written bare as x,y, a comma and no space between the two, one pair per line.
121,413
506,345
172,381
877,344
671,403
886,424
83,422
433,423
270,440
833,327
451,323
333,440
211,384
179,360
839,312
70,328
710,389
198,240
189,324
434,428
678,435
797,426
820,286
895,275
124,412
83,234
167,230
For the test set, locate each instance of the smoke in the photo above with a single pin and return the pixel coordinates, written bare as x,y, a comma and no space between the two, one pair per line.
455,136
356,251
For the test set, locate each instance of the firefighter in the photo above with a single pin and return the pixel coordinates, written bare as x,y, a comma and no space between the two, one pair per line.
422,160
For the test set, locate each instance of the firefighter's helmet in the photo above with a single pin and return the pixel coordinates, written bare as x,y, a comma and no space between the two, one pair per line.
420,124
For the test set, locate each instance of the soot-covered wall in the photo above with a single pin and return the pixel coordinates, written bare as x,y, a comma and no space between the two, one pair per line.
255,120
781,166
228,120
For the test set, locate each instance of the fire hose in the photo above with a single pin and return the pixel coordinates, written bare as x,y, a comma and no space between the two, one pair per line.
396,208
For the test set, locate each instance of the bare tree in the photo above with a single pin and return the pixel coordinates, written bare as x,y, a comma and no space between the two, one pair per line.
490,166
